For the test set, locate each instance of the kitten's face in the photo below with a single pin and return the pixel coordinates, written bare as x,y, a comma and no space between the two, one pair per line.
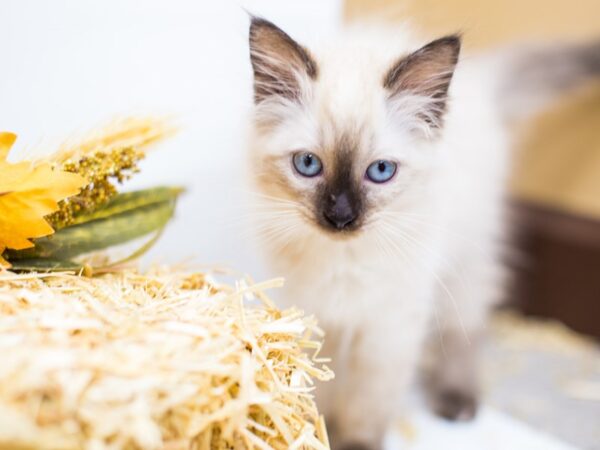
335,155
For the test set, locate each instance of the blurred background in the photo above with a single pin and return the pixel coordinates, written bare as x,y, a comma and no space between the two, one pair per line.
68,66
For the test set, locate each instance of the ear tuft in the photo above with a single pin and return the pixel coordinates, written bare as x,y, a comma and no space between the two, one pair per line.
279,63
426,73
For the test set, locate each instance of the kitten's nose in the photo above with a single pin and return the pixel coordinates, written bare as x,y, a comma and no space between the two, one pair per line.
340,213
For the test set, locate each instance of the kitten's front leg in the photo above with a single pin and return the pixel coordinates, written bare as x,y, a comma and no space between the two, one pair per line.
450,374
370,391
450,364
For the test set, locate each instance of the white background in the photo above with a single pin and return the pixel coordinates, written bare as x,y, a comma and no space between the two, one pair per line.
66,66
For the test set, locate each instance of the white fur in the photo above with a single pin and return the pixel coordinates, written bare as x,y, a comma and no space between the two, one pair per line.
380,294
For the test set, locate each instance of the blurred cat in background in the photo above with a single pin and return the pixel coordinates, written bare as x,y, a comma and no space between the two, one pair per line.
380,163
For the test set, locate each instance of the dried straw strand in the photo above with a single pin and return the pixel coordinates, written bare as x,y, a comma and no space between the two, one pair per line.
166,359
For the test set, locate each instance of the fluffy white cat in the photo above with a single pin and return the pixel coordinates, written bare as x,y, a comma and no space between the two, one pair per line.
380,162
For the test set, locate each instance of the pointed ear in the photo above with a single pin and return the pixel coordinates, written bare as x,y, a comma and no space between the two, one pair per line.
279,63
426,73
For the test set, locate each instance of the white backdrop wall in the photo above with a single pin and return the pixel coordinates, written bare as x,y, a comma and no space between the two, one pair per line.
67,65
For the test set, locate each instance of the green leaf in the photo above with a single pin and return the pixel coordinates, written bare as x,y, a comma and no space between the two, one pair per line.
100,233
128,201
45,265
56,265
139,252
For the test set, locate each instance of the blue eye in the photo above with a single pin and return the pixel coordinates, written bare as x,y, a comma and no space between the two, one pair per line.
307,164
381,171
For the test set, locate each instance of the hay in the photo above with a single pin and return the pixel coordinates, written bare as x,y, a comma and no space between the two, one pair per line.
162,360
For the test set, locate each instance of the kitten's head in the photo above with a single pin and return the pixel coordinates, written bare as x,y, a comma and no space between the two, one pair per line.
342,139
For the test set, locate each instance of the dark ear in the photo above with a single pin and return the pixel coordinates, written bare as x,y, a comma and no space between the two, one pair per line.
427,73
279,63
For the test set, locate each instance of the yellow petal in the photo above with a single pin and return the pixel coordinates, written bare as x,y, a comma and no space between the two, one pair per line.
27,194
6,142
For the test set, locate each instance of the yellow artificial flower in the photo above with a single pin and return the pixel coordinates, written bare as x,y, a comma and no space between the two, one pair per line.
28,193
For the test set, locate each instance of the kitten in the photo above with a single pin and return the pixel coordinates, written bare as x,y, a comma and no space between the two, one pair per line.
381,165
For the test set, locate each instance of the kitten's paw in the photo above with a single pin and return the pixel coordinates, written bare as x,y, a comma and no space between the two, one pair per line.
456,405
338,442
354,446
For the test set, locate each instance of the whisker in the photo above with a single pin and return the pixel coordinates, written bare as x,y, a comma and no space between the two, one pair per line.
446,263
402,218
406,259
433,273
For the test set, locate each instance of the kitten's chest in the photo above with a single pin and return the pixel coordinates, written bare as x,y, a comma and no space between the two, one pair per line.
346,286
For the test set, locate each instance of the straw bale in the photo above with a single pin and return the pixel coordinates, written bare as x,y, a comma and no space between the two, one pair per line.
165,359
